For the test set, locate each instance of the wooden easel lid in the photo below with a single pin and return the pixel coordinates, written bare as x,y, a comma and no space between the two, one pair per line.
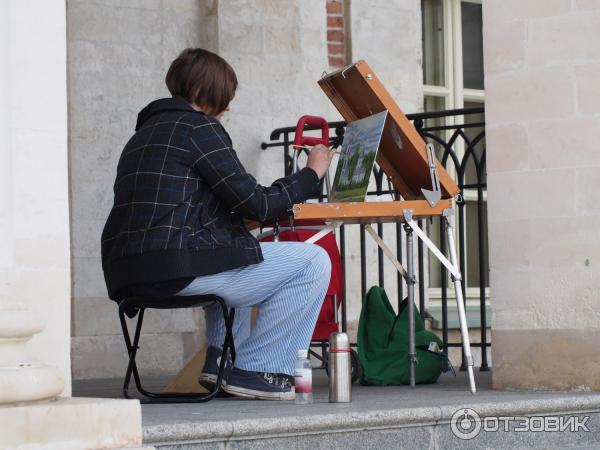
357,93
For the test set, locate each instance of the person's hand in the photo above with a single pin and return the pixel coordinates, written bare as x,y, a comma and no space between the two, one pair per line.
319,159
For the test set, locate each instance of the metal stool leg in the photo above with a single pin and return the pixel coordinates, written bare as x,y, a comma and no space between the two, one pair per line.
229,341
228,344
174,397
132,348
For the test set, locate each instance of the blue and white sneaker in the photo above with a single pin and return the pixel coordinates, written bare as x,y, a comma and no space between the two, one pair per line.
208,377
260,385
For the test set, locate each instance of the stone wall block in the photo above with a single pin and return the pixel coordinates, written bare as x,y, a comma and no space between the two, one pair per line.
513,288
95,317
564,143
280,39
87,245
564,39
102,82
106,356
520,317
588,88
93,201
99,317
181,30
586,5
509,10
97,22
545,320
190,7
511,147
246,142
88,278
510,55
545,359
517,255
566,297
286,12
566,242
586,191
530,195
101,164
398,83
521,96
377,35
245,33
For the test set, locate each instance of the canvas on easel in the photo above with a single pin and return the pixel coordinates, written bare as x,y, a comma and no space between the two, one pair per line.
357,158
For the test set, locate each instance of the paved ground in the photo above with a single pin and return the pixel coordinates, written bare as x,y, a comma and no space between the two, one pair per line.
449,391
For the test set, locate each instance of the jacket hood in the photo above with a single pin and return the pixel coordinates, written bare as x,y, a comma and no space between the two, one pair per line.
160,106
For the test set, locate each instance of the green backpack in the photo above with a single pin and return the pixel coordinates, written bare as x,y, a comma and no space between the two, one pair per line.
383,344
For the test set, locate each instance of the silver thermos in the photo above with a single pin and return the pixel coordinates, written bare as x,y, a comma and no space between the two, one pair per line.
340,377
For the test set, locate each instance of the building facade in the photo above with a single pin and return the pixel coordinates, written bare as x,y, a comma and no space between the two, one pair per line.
535,66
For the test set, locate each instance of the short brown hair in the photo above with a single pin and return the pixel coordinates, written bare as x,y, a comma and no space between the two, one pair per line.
203,78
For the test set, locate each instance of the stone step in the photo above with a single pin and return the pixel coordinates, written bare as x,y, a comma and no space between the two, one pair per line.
71,424
394,417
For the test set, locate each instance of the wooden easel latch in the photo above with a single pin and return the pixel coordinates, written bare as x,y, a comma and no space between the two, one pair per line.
435,195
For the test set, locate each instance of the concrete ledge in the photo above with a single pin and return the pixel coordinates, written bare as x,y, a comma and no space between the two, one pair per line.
425,427
72,423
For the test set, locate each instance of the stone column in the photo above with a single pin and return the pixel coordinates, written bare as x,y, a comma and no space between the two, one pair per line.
541,81
35,275
22,136
22,377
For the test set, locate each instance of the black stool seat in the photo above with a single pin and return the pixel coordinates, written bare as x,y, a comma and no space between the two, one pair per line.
137,305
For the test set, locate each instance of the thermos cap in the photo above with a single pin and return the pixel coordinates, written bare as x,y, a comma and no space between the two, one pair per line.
339,341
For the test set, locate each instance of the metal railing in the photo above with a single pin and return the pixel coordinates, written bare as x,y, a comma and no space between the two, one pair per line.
459,139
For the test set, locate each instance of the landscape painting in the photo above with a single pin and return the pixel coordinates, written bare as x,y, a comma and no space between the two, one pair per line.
359,150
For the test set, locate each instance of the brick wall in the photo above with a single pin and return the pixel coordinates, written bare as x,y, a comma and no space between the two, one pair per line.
336,33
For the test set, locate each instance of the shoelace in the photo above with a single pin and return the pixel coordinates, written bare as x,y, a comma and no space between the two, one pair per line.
277,379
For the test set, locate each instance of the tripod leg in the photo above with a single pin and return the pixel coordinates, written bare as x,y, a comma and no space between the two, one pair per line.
464,331
410,287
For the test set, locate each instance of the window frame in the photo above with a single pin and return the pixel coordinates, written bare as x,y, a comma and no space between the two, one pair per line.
454,96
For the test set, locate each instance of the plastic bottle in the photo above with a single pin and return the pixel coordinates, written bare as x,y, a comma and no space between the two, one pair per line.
303,378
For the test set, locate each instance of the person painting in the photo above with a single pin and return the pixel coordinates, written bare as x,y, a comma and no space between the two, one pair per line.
177,228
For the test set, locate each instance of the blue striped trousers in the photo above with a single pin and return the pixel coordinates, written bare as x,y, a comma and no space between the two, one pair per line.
288,287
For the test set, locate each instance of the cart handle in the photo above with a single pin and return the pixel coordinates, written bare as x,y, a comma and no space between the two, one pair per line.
314,121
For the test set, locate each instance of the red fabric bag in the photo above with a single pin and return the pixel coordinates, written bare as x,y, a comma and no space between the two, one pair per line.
326,321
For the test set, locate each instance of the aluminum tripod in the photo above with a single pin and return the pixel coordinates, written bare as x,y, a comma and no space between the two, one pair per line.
411,226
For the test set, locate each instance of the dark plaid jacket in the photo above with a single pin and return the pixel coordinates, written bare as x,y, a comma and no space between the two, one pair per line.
180,197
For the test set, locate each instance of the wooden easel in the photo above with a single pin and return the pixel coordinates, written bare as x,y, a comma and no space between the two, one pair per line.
425,188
